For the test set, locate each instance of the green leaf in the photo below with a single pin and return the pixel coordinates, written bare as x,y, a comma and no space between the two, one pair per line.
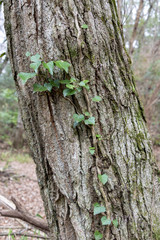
97,99
70,86
39,88
105,221
65,81
68,92
35,66
115,222
99,137
26,76
35,58
75,124
2,54
28,54
87,87
84,26
82,84
103,178
92,150
98,209
79,89
48,86
78,118
38,215
90,121
10,231
54,83
72,80
49,66
85,81
1,2
87,114
63,65
98,235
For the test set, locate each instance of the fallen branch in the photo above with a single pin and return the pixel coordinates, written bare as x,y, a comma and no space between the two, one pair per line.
18,211
23,234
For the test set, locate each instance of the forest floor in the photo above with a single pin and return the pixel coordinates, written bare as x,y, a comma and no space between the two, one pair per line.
18,180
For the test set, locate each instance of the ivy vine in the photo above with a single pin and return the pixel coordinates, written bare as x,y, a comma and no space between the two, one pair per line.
72,86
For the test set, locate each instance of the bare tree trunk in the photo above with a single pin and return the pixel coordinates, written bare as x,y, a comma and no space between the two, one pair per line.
19,140
119,8
135,28
67,173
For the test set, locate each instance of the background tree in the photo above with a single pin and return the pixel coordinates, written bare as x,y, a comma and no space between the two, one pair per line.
141,20
66,171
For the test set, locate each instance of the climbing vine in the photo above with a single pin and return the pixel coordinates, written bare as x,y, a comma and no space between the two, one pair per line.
72,87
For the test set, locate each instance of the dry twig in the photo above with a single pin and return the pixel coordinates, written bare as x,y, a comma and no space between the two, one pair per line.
18,211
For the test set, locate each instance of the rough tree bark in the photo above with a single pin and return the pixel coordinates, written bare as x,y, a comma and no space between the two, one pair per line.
67,173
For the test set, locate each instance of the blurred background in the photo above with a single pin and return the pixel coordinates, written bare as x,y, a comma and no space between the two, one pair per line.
140,21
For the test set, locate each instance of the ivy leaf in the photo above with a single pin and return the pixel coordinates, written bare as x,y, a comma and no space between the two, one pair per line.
85,81
65,81
78,118
54,83
35,66
87,114
82,84
48,86
99,137
103,178
2,54
63,65
26,76
79,89
75,124
39,88
105,221
90,121
70,86
87,87
115,222
98,209
68,92
85,26
35,58
98,235
97,99
72,80
92,150
49,66
28,54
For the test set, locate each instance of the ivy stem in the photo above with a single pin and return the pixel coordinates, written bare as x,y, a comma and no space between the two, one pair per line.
79,36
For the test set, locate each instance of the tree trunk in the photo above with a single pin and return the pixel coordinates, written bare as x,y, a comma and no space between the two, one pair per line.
135,28
119,8
66,171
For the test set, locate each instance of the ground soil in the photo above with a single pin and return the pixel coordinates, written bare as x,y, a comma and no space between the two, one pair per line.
19,180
